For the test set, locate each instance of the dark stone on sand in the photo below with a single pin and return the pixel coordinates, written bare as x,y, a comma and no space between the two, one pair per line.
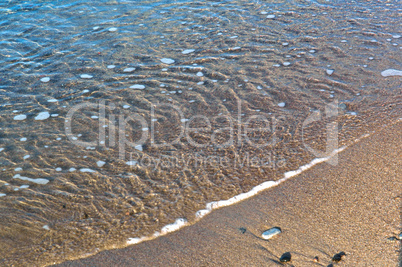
286,257
316,259
242,230
338,257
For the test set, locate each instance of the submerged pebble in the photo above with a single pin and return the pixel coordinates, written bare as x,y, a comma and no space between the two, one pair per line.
42,116
268,234
391,72
167,60
270,16
86,76
188,51
282,104
20,117
45,79
129,70
137,86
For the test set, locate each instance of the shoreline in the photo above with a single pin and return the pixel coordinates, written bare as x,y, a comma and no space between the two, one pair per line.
295,206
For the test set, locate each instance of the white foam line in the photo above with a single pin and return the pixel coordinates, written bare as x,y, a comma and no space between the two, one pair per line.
181,222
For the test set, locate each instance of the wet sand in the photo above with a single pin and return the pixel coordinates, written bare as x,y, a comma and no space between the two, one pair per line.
354,207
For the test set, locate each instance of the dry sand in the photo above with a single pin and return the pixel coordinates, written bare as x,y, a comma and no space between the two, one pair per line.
352,207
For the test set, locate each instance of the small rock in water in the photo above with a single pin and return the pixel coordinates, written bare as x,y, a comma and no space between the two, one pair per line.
270,16
391,72
45,79
112,29
268,234
338,257
137,86
42,116
167,60
20,117
129,70
86,76
188,51
286,257
329,72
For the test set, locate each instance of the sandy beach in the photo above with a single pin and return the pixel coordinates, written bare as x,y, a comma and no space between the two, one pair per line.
354,207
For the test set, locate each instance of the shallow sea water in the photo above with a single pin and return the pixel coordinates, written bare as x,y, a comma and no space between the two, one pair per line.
117,118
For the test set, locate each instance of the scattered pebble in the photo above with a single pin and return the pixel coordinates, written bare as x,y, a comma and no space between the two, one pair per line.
111,66
42,116
23,139
268,234
126,106
391,72
188,51
270,16
59,169
100,163
282,104
86,76
316,259
137,86
52,100
112,29
45,79
20,117
286,257
129,70
46,227
167,60
26,156
200,74
138,147
338,257
286,63
329,72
